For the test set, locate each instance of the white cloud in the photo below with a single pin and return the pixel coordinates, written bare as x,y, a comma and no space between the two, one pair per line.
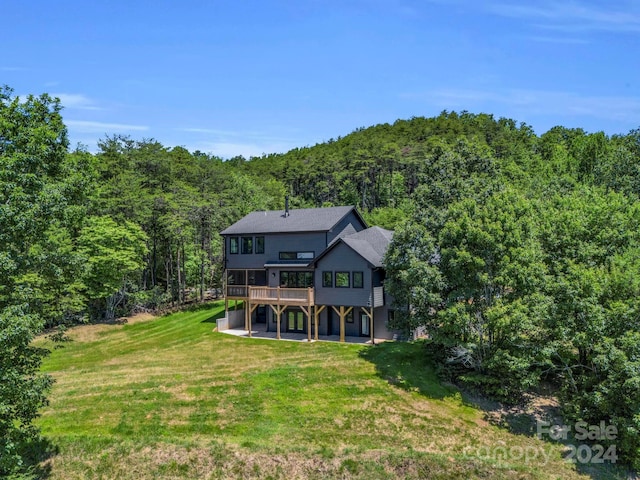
229,143
76,101
84,126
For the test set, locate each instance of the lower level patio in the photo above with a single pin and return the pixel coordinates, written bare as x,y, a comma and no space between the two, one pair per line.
260,331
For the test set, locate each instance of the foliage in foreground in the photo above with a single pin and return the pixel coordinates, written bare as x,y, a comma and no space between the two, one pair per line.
32,150
515,289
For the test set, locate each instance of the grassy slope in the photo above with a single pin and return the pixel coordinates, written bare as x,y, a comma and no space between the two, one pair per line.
168,398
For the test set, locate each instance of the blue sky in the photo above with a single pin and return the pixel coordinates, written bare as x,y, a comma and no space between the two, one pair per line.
253,77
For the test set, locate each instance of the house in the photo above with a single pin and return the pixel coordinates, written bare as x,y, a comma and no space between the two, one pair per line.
315,270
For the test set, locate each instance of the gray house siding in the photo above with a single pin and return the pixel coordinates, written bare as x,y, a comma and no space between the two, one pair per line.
358,252
380,318
273,245
343,259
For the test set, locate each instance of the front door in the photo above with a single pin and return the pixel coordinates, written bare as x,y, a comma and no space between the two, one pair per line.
364,325
295,320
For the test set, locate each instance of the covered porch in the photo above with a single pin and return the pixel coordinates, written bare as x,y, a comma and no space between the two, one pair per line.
281,300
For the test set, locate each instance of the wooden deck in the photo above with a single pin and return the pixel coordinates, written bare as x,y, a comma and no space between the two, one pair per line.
271,295
279,298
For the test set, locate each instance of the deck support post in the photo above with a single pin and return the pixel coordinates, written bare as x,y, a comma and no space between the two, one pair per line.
309,303
247,312
373,339
342,313
252,308
226,294
307,312
278,319
369,314
278,310
316,317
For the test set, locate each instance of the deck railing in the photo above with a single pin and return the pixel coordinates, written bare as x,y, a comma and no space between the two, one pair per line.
283,295
304,296
237,291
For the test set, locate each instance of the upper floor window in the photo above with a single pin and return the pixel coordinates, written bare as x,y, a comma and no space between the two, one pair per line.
259,248
247,245
327,279
233,244
342,279
358,280
296,255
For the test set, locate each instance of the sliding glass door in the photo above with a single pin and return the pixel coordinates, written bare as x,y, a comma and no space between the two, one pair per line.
295,320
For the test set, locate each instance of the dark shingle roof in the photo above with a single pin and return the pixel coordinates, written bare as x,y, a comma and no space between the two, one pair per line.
348,230
298,220
371,244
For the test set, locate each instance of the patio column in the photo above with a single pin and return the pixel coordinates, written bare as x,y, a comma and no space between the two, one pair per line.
342,313
226,294
369,314
252,308
309,307
307,312
248,313
316,316
278,315
278,310
373,340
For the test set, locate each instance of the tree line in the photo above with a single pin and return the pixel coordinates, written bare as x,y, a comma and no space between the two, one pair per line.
89,237
518,253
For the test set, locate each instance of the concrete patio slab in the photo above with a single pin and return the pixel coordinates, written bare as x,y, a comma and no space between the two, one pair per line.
259,331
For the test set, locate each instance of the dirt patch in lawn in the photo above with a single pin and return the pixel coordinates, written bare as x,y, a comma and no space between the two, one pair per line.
91,333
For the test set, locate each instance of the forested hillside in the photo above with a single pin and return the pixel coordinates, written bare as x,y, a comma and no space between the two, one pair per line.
518,252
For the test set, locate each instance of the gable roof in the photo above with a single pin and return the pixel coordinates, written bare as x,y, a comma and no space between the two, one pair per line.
298,220
371,244
348,230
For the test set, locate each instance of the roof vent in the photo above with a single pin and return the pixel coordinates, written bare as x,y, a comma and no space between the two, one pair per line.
286,205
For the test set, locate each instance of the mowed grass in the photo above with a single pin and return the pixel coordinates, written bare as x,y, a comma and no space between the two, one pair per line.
170,398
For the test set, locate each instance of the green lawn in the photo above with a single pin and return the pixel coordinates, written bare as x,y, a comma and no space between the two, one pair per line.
170,398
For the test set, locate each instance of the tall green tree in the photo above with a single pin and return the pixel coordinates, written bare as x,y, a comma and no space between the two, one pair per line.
114,254
33,146
476,290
